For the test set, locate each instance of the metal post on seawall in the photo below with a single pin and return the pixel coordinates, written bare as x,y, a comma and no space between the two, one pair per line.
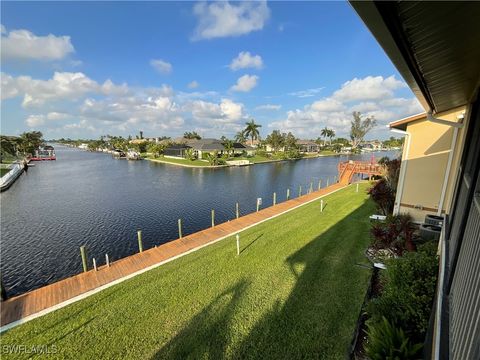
140,243
327,181
319,184
95,264
300,191
274,198
238,244
107,260
83,253
213,218
288,194
237,212
179,228
311,187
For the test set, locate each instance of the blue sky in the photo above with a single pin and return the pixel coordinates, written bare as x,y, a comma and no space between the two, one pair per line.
86,69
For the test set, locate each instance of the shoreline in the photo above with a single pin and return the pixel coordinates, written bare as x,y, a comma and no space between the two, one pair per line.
252,163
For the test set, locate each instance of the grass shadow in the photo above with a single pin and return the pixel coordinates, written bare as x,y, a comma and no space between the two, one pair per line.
207,334
251,243
318,318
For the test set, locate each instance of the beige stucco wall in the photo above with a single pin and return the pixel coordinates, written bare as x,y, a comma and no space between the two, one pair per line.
428,153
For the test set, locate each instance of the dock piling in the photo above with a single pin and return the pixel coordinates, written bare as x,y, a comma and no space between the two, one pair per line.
95,264
327,181
300,191
140,243
213,218
288,194
83,253
238,244
179,228
311,187
274,198
319,184
237,212
107,260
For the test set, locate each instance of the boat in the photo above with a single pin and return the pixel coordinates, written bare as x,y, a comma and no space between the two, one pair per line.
118,154
133,155
46,152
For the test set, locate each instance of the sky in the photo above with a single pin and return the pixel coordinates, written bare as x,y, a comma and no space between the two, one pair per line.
86,69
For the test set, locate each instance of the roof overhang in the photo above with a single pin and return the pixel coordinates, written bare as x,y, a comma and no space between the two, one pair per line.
402,123
434,46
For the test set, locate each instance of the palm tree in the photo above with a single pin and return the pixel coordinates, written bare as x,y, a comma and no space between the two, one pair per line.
324,133
240,137
331,135
252,130
228,144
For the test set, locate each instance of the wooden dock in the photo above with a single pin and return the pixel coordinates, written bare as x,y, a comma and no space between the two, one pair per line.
38,302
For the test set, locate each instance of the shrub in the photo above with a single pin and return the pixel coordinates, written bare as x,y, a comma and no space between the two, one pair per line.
395,234
386,341
409,288
383,195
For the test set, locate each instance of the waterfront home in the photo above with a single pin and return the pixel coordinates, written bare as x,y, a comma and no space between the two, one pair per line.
307,146
431,151
203,147
435,48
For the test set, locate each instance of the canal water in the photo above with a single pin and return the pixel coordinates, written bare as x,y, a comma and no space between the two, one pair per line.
91,199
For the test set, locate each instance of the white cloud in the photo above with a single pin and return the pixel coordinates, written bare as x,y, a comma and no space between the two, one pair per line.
62,86
224,19
306,93
269,107
193,85
34,121
227,111
246,60
245,83
369,88
161,66
23,44
57,115
372,96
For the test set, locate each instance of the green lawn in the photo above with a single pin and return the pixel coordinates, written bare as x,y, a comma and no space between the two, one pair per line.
294,292
180,161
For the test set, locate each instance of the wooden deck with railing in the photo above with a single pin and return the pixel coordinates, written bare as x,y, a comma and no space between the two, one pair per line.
348,169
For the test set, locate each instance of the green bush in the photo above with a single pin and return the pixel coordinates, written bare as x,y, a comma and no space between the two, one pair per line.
386,341
409,289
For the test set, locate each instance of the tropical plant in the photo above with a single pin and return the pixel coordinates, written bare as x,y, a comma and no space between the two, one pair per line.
360,126
155,149
229,148
191,135
240,137
190,154
324,133
395,234
408,291
331,135
276,140
30,141
388,342
252,130
290,142
212,158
